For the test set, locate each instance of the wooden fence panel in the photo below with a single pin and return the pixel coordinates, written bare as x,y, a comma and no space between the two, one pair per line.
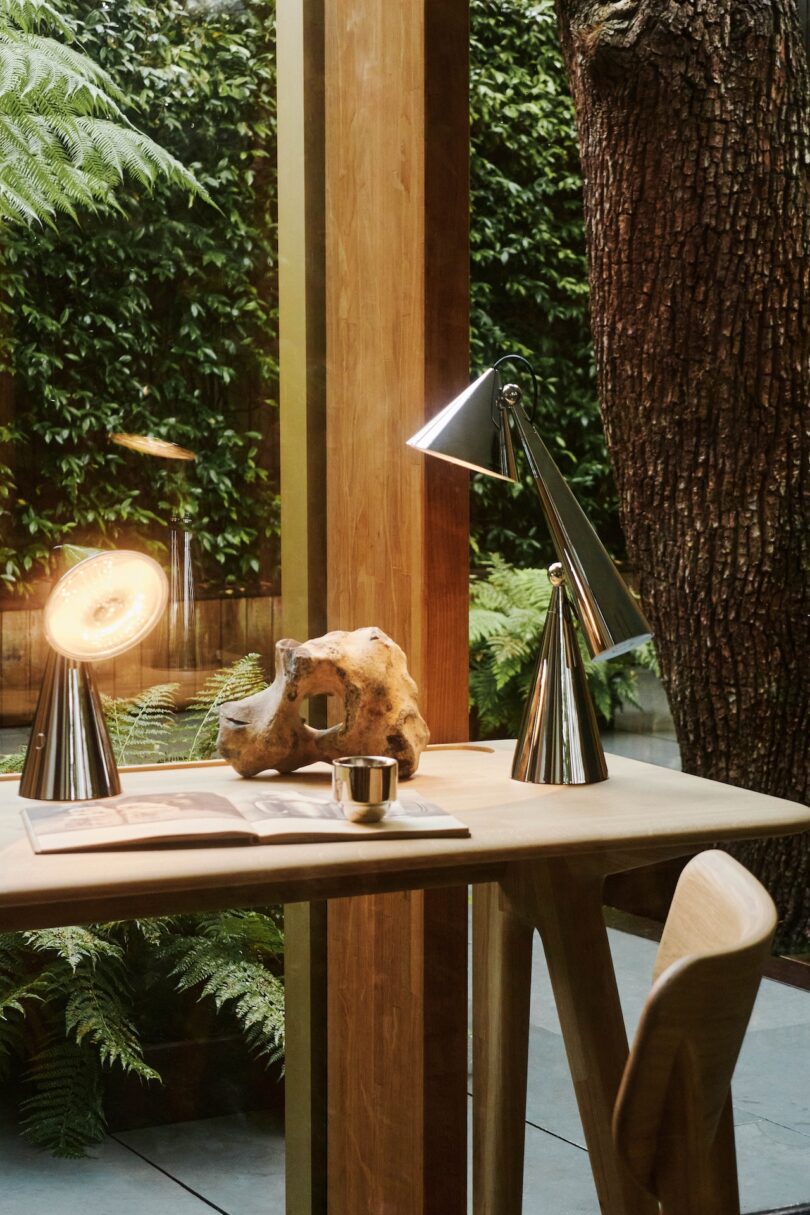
226,630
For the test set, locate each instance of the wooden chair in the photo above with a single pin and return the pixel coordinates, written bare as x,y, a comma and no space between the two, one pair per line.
672,1122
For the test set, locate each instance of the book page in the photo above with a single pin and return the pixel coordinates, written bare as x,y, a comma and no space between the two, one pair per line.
133,819
286,817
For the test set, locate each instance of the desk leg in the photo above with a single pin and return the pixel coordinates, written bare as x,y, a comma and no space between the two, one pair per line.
502,976
566,904
397,1052
305,1062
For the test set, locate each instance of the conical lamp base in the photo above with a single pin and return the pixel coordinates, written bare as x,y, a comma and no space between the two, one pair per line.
559,741
70,757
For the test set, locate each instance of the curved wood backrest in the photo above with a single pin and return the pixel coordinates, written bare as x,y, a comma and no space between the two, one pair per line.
672,1120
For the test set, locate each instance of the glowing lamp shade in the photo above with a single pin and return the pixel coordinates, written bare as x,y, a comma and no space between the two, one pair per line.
101,607
105,605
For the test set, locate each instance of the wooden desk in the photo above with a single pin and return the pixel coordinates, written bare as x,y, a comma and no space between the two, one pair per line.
542,850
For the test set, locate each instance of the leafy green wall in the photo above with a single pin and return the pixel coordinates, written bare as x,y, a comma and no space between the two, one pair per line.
159,320
529,277
163,319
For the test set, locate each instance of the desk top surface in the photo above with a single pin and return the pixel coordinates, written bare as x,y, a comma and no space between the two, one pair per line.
640,808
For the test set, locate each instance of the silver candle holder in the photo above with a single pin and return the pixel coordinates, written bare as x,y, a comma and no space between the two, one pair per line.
364,786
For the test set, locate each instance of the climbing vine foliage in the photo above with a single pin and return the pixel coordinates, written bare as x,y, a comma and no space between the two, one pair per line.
158,318
529,278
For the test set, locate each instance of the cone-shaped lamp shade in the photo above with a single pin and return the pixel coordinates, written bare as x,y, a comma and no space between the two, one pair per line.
559,740
611,620
464,432
69,756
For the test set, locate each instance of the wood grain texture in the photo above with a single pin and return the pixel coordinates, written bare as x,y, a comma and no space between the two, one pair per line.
302,317
397,347
446,364
563,899
502,977
640,812
305,1064
226,629
397,332
673,1123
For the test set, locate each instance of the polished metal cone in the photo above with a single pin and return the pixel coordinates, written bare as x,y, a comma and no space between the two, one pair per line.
464,432
559,741
69,756
611,620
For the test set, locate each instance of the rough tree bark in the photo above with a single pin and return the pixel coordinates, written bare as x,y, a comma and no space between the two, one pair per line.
695,136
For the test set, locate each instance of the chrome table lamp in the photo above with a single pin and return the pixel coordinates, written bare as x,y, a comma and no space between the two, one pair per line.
559,740
100,608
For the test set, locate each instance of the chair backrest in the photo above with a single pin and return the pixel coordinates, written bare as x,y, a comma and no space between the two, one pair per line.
677,1080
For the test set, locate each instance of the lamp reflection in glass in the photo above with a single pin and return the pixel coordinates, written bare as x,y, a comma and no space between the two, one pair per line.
100,608
181,617
479,430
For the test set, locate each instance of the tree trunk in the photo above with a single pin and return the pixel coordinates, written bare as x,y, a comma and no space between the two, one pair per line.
695,137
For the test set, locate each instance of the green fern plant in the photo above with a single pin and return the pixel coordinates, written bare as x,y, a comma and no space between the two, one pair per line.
229,958
65,141
73,1000
241,679
73,1003
140,727
12,762
507,612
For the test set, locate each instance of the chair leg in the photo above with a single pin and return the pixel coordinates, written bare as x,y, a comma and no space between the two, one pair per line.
693,1178
725,1198
502,972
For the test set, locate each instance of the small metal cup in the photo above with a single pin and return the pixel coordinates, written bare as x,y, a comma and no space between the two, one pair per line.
365,786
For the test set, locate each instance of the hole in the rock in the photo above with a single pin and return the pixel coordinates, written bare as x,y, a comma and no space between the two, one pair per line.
323,711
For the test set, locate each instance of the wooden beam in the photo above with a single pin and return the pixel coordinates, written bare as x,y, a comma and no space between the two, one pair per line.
302,341
302,332
397,322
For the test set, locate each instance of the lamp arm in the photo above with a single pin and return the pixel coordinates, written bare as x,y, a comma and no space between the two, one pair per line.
518,358
611,620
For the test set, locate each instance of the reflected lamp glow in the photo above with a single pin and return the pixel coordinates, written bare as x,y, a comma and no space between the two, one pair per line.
149,445
479,430
100,608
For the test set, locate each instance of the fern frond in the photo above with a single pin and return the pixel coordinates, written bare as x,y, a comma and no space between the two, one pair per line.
95,1013
243,678
139,727
65,140
74,945
229,961
13,762
32,15
64,1114
508,608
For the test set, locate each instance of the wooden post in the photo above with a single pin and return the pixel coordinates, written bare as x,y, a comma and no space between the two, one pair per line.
300,74
397,317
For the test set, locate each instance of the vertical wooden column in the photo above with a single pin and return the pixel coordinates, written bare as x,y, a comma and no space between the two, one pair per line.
302,351
397,320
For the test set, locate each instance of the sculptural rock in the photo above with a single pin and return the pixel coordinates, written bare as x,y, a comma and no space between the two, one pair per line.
365,670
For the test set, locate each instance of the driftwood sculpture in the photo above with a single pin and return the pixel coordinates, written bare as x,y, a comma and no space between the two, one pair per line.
365,670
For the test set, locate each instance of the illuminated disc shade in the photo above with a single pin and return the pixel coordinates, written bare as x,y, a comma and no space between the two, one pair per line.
105,605
148,445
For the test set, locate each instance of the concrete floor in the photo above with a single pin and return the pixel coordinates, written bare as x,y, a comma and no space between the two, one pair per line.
234,1165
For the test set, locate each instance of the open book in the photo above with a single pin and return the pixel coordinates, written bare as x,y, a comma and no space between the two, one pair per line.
281,817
